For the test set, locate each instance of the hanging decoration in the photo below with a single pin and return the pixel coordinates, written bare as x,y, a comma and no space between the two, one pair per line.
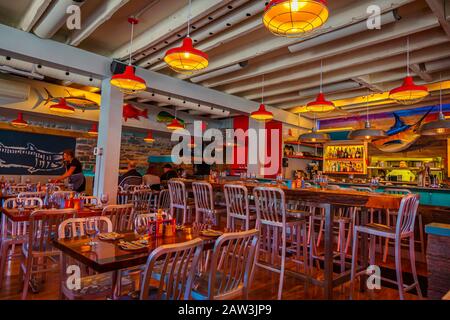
186,59
149,138
320,105
62,107
439,127
262,114
408,92
128,82
294,18
93,131
366,134
19,122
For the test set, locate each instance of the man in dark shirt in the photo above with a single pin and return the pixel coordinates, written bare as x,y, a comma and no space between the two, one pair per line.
132,172
169,173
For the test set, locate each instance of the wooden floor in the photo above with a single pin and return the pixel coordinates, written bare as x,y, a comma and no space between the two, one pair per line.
264,287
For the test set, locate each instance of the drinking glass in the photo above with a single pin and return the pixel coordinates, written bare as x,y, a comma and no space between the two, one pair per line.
92,230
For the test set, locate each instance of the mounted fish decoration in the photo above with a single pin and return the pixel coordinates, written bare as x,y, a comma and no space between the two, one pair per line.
131,112
30,158
166,117
78,102
400,136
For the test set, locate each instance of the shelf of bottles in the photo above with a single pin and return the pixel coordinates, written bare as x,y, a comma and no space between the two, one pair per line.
345,158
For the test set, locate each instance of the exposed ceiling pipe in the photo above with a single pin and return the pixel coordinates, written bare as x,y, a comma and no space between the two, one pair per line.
54,19
437,65
34,12
220,72
386,18
28,74
101,14
238,15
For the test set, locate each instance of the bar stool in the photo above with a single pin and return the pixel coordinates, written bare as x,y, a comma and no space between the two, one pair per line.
205,209
179,201
404,229
236,198
271,216
391,218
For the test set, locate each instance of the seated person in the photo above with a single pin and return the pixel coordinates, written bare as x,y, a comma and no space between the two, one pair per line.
151,179
169,173
132,172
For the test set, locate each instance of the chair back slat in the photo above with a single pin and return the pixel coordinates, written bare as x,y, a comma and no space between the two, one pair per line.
121,216
407,214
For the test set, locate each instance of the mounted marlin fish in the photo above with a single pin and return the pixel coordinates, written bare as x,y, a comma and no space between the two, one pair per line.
30,157
400,136
78,102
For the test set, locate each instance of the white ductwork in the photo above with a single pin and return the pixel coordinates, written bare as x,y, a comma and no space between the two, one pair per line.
55,18
238,15
386,18
13,91
35,70
219,72
34,12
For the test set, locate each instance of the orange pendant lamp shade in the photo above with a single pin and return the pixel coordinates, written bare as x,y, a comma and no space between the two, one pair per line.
93,131
186,59
149,138
175,125
62,107
19,122
408,92
320,104
128,82
294,18
262,114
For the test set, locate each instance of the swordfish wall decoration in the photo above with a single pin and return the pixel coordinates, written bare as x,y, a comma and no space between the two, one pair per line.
24,153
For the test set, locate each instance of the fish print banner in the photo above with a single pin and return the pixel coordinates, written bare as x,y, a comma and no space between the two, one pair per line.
23,153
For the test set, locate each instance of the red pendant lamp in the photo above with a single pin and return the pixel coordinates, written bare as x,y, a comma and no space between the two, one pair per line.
19,122
93,131
62,107
149,138
408,92
175,124
320,105
262,114
128,82
186,59
294,18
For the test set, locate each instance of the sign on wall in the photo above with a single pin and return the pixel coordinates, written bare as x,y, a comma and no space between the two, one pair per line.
24,153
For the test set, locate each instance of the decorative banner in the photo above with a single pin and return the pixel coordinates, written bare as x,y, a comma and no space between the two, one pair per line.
23,153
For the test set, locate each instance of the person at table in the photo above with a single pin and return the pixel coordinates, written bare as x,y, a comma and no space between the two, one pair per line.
131,171
74,171
169,173
151,179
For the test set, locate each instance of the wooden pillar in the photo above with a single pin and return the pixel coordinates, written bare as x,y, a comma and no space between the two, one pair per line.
108,143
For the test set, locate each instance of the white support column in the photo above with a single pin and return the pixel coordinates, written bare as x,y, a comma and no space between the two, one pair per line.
109,141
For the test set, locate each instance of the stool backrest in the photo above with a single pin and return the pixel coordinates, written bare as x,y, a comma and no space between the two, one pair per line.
236,199
121,216
141,200
203,196
270,205
164,200
407,214
177,191
76,227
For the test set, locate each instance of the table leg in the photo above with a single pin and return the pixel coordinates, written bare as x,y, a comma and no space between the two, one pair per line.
364,248
114,283
328,254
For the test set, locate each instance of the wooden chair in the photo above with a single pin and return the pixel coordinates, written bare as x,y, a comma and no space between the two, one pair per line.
38,252
90,200
174,266
404,230
237,204
274,224
121,216
179,201
205,209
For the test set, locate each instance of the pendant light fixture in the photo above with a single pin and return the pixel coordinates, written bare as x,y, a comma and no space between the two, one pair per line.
408,92
439,127
128,82
149,138
367,134
314,136
294,18
175,124
62,107
262,114
186,59
93,131
320,105
19,122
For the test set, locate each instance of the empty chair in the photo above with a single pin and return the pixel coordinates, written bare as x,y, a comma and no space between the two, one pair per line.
237,204
403,230
274,224
232,263
142,200
121,216
90,201
205,209
131,181
31,195
179,201
39,254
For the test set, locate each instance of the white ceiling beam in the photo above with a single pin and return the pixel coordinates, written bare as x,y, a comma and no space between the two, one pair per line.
34,12
437,6
363,43
170,24
103,13
419,69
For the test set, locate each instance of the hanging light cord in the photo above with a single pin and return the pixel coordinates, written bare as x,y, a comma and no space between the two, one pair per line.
321,76
131,42
407,56
189,18
367,106
440,92
262,90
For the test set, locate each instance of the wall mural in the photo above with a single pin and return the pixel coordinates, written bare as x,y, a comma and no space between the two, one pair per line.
23,153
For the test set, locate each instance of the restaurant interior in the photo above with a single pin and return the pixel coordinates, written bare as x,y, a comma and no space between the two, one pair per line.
225,150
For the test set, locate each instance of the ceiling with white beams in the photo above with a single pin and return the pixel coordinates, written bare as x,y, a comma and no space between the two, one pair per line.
356,62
